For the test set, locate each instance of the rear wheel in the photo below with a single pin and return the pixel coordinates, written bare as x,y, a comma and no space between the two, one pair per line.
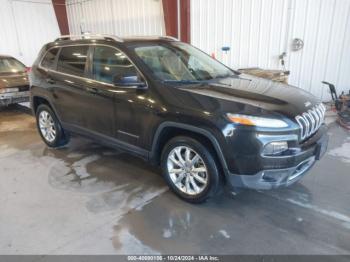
50,128
190,169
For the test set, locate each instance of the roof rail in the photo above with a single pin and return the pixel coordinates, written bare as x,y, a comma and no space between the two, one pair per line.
107,37
89,36
170,38
146,37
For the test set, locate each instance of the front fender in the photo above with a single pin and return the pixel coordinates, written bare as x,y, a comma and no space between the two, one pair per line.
186,127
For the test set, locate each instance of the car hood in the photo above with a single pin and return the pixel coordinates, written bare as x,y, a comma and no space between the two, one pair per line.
8,80
248,94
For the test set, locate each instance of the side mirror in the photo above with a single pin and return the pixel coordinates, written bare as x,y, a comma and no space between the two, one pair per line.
130,81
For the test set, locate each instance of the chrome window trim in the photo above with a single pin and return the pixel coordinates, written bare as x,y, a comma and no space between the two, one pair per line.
90,79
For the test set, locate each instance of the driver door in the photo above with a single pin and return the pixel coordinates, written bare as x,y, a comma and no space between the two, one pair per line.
112,69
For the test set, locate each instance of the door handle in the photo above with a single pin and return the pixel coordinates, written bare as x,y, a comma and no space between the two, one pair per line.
50,81
92,90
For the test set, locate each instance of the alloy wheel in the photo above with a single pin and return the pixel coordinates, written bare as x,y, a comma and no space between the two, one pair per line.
47,126
187,170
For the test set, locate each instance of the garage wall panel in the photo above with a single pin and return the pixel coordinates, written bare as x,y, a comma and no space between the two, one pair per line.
25,26
118,17
338,50
259,31
248,26
8,36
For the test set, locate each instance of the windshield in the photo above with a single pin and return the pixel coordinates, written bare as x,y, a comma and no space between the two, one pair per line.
181,62
11,65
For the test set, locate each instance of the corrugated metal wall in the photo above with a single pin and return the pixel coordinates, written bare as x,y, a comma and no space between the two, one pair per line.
258,31
118,17
25,26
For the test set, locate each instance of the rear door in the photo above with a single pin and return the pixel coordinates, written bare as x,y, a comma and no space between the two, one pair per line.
81,102
68,82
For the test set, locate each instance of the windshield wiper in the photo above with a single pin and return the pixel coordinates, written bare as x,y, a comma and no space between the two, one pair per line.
223,76
184,81
228,76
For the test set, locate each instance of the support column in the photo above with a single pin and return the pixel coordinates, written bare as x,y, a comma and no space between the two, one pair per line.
170,8
185,16
170,17
61,15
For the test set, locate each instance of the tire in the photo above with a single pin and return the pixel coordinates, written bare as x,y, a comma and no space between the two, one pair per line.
207,183
58,137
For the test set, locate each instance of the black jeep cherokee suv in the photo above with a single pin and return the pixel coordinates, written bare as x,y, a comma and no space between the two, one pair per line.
177,107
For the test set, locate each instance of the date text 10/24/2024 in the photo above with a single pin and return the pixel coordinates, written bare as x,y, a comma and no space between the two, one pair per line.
173,258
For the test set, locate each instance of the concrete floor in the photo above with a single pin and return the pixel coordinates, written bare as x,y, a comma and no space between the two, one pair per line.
88,199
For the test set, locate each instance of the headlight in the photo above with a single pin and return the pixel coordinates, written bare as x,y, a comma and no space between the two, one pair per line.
8,90
257,121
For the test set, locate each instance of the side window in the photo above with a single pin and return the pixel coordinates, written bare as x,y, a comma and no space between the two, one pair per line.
49,59
109,65
72,60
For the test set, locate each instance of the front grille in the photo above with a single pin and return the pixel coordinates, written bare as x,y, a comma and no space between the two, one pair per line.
311,121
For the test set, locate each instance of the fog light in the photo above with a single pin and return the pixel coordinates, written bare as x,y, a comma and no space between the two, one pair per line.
273,176
275,148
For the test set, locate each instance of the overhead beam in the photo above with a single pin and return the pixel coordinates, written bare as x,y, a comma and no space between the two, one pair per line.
61,15
170,17
185,16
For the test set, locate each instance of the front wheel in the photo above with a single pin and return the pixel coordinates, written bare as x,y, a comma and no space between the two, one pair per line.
190,169
50,128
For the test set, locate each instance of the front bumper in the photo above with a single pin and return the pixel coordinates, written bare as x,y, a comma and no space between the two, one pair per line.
280,176
14,98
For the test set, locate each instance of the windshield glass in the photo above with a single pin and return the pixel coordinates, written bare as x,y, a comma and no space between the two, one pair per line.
11,65
181,62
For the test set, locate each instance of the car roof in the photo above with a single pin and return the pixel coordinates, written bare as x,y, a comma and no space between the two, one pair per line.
5,56
78,39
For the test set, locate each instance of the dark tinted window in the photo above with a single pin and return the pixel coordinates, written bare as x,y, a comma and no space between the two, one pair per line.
10,65
49,59
72,60
109,64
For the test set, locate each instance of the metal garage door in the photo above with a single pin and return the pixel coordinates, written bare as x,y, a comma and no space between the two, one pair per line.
258,31
119,17
25,26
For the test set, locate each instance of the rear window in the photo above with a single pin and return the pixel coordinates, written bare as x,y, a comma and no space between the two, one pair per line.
49,59
72,60
11,65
